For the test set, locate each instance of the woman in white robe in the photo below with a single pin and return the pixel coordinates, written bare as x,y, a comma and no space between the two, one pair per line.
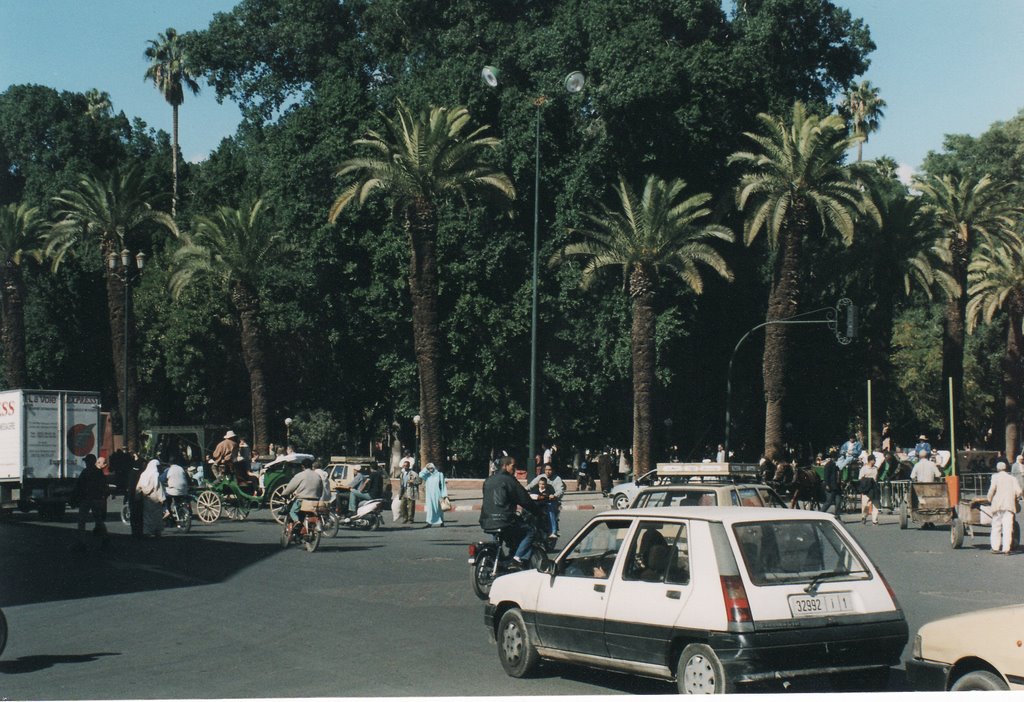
152,494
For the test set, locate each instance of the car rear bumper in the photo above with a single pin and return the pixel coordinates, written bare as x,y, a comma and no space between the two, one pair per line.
927,675
835,647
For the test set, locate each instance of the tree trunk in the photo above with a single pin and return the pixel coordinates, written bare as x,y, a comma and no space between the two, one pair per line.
245,302
1012,378
422,226
782,303
953,334
174,161
119,303
644,360
13,290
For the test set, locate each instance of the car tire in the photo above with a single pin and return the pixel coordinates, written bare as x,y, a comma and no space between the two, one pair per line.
516,651
978,680
700,672
621,501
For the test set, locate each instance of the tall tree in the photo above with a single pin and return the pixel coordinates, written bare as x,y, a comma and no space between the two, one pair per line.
171,73
421,162
662,230
234,247
996,278
966,211
98,103
111,211
796,173
863,106
21,235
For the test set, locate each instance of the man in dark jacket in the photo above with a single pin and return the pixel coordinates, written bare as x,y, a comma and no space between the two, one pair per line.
833,486
91,494
502,494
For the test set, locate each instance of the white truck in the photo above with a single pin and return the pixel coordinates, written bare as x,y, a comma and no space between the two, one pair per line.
44,438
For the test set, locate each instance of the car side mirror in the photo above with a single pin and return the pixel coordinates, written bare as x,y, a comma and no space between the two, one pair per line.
546,566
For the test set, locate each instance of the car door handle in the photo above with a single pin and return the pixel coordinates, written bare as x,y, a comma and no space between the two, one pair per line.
598,587
673,594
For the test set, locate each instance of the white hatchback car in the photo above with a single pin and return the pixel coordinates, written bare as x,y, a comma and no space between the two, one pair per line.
711,597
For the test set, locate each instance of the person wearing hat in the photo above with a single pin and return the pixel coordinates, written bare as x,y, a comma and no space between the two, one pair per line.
1003,496
224,455
922,445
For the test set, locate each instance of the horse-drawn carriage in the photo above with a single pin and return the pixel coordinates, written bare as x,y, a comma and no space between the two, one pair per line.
236,496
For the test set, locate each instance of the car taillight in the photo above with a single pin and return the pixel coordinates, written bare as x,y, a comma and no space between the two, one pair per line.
472,550
737,607
888,588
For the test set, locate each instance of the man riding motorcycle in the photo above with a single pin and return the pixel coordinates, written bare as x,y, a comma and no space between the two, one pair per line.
502,494
305,485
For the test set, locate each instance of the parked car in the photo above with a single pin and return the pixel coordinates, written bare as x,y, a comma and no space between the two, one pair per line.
710,597
973,651
623,495
708,494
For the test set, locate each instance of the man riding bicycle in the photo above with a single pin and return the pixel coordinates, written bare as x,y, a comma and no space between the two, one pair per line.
502,494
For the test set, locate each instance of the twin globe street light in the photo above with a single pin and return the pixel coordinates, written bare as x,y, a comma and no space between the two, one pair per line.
123,268
573,83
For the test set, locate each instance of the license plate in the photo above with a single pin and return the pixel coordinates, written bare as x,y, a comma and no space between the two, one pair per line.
819,605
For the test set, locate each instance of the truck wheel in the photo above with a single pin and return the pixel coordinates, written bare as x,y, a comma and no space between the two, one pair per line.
979,680
516,652
956,534
700,672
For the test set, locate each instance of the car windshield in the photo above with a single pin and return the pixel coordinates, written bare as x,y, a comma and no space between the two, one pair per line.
796,551
677,498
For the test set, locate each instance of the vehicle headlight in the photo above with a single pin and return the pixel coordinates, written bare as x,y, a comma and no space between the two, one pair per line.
917,646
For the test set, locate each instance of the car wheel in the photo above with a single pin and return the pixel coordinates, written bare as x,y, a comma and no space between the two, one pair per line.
517,653
700,672
979,680
621,501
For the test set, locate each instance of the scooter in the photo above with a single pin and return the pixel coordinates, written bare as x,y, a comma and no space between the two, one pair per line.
491,559
368,516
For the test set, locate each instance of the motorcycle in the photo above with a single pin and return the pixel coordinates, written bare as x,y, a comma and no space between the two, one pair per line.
307,531
179,516
368,515
491,559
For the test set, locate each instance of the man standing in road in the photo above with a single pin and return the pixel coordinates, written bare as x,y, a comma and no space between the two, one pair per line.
925,471
224,455
833,486
502,494
554,505
1003,495
409,490
91,493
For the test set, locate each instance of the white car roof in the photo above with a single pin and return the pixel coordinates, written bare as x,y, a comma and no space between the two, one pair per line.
727,514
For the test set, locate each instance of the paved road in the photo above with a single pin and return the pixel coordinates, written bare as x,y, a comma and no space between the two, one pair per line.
224,612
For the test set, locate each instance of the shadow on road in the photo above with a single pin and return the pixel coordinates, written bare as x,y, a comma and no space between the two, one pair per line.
31,664
41,564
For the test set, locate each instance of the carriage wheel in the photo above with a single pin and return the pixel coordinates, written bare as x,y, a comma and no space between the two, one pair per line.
237,509
208,506
277,502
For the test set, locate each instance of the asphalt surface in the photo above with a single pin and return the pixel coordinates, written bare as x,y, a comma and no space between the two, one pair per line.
224,612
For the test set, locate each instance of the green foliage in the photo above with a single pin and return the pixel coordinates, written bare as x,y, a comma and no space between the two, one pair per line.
317,433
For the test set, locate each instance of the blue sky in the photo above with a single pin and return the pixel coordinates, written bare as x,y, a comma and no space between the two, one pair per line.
943,66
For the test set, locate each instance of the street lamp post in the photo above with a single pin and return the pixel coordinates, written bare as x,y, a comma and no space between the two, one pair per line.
417,420
122,268
287,433
573,83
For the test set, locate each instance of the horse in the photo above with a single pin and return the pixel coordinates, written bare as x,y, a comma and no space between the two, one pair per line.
800,484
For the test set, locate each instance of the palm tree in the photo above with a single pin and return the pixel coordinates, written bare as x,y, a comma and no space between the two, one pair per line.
966,211
21,234
109,210
865,109
234,247
98,103
171,74
421,162
796,173
660,231
996,278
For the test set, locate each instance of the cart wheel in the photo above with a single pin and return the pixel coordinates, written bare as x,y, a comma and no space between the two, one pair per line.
277,502
904,516
237,510
1015,536
956,534
208,506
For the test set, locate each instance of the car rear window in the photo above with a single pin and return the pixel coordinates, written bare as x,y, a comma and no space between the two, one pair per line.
796,551
677,498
